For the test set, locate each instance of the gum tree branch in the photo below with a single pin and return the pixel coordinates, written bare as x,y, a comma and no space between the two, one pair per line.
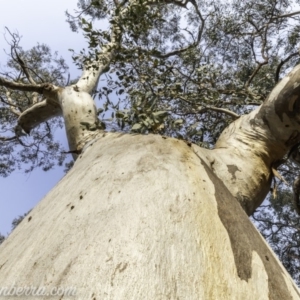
5,139
282,63
90,75
38,113
24,67
221,110
254,73
213,108
12,107
286,15
39,88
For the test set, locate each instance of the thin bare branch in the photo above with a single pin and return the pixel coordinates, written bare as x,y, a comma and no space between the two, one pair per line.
5,139
17,58
253,103
282,63
221,110
213,108
264,44
9,102
254,73
201,27
39,88
286,15
24,67
296,190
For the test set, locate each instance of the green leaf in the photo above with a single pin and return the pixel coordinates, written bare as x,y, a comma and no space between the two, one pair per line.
120,114
179,122
136,126
160,114
99,111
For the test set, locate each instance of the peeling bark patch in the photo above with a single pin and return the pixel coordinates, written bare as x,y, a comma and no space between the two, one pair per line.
232,169
244,240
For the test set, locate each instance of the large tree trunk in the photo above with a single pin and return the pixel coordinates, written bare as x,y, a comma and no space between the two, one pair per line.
143,217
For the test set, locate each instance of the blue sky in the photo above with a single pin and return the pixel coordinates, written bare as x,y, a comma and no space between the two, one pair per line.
43,22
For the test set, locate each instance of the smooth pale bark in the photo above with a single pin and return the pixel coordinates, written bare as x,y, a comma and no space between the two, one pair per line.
143,217
80,113
250,147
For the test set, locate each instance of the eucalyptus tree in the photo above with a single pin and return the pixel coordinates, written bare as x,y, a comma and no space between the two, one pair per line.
146,215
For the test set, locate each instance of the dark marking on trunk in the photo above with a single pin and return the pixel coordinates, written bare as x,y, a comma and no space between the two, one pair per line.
2,265
64,273
232,169
261,115
244,240
121,267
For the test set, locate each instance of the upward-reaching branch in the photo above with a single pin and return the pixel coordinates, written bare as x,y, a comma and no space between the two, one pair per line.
93,70
282,63
24,67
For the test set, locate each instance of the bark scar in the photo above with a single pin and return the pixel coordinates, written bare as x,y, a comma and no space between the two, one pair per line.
121,268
